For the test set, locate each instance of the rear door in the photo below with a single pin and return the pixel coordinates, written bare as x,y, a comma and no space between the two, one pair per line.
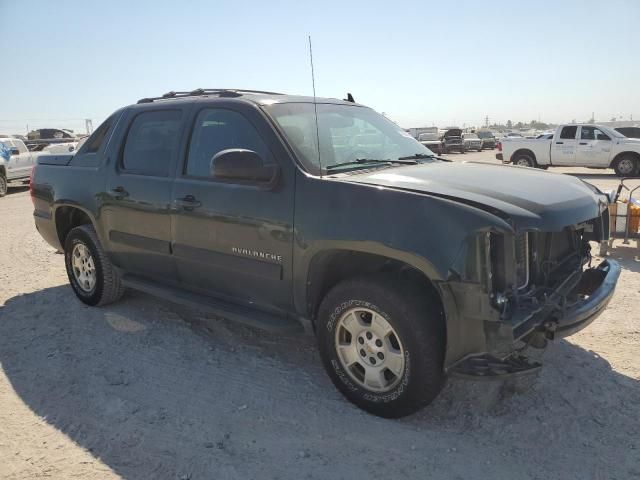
594,147
563,147
233,240
136,209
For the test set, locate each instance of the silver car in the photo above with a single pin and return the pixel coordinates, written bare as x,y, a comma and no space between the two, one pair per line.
472,142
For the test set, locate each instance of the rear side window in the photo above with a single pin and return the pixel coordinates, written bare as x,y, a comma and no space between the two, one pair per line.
96,140
569,133
217,129
152,143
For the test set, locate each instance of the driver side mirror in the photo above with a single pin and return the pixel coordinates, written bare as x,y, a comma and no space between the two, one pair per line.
242,165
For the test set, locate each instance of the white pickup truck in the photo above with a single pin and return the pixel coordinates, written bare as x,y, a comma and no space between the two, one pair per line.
593,146
16,165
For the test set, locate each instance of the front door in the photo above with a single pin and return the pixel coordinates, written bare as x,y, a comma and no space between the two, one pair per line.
136,209
24,160
563,149
233,240
594,147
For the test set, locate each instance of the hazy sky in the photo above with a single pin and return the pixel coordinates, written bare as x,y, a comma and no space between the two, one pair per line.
422,63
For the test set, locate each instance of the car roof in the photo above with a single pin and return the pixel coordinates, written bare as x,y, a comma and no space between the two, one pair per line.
254,96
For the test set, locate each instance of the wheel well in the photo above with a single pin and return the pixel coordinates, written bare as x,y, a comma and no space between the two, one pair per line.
330,268
635,155
68,218
523,151
3,172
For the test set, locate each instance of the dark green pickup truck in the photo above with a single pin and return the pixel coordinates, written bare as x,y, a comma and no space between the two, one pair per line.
289,214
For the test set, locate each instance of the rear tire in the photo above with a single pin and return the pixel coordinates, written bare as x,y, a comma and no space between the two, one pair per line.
626,166
91,274
3,185
414,338
524,160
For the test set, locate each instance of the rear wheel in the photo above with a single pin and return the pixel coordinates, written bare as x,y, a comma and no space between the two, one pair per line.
91,274
3,185
524,160
626,166
382,343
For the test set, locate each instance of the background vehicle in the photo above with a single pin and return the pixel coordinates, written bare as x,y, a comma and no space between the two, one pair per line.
452,140
488,138
219,172
432,140
629,132
49,133
472,142
594,146
17,166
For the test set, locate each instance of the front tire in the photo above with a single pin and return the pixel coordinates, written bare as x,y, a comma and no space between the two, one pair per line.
3,185
382,343
626,166
91,274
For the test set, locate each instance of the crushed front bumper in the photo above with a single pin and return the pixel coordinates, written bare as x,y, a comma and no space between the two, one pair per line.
596,286
481,333
500,356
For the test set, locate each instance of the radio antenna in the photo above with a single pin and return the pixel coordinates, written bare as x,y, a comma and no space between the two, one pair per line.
315,105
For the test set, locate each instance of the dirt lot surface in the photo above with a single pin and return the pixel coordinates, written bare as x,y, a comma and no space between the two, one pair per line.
145,389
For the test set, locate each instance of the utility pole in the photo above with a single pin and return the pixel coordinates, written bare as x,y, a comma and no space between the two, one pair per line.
88,126
486,121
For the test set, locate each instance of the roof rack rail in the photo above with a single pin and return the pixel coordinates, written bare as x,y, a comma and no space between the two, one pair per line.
230,92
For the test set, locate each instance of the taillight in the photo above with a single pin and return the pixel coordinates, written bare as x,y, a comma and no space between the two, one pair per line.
499,146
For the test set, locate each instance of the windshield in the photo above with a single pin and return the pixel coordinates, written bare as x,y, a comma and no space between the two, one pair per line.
485,134
470,135
346,133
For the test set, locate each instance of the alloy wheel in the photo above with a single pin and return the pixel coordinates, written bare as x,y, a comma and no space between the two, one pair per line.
369,349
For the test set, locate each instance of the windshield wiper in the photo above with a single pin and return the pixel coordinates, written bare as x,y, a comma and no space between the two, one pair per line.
420,156
373,161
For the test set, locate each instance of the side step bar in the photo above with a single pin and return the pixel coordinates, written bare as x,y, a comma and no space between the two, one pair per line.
248,316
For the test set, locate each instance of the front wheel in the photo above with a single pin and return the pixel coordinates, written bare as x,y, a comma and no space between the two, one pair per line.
91,274
382,343
3,185
626,167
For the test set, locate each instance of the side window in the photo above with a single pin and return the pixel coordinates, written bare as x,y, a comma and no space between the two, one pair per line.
568,133
94,142
218,129
22,148
152,141
600,135
587,133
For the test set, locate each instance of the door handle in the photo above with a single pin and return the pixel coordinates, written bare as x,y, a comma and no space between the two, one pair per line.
584,143
118,192
187,202
559,143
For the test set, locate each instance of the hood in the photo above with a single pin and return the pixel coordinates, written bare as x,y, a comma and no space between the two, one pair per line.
528,199
453,132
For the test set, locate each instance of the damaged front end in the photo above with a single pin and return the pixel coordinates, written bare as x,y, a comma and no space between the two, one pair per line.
526,288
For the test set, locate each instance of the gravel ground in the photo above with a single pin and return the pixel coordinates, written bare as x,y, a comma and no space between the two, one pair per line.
145,389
